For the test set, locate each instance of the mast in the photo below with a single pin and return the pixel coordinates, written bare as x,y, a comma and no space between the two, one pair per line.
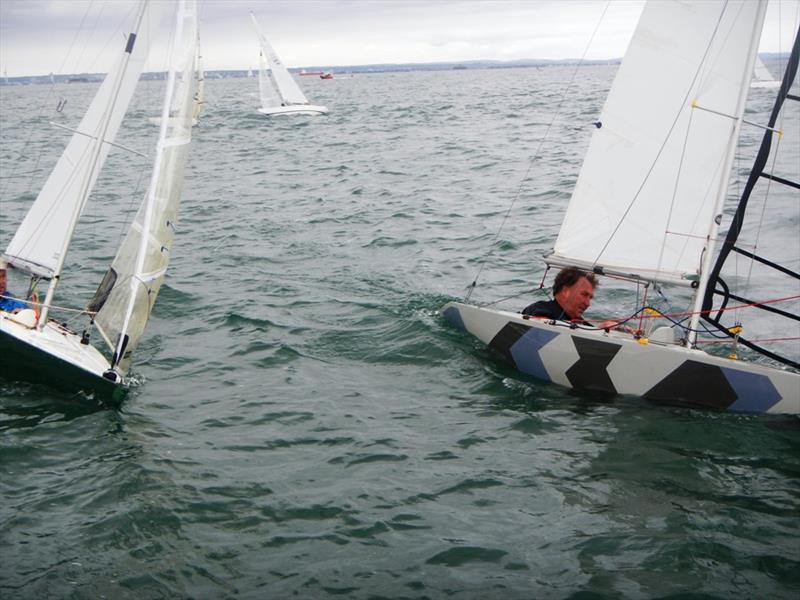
722,190
95,163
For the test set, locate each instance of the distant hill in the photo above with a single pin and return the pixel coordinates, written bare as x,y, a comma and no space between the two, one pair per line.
374,68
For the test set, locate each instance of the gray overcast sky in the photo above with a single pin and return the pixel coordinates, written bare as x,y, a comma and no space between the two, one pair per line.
36,36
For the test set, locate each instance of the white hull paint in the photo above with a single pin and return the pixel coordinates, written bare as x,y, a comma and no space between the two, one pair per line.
294,109
617,363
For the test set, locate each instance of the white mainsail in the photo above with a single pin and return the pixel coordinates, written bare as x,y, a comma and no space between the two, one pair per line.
279,77
129,290
42,239
657,167
266,89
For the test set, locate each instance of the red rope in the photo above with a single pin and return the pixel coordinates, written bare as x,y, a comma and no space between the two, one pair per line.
727,341
702,312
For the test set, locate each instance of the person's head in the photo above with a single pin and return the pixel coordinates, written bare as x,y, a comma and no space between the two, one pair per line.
573,289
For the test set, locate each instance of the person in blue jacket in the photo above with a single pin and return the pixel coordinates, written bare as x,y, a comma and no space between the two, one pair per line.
8,302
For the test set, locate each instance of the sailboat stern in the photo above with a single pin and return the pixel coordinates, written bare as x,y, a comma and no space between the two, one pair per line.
607,363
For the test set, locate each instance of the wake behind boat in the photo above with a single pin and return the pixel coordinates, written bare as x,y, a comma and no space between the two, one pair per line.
280,94
646,209
33,345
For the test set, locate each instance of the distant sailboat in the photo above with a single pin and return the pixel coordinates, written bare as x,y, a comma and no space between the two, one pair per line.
32,345
762,78
280,94
646,209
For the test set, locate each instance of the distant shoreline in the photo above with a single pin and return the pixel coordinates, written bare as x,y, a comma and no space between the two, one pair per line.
345,69
350,69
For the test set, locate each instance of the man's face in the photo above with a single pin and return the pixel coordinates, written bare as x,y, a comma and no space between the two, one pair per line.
2,281
576,299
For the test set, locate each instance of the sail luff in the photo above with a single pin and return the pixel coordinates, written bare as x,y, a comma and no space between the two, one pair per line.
722,190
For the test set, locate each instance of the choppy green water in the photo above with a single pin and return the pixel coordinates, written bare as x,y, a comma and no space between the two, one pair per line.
306,426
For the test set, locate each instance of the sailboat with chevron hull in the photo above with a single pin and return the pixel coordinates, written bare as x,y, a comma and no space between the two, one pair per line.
647,210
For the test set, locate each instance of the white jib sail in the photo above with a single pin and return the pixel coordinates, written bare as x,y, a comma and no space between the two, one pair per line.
42,239
287,87
130,288
649,186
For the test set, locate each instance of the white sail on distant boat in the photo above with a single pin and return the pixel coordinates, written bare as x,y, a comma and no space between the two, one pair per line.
280,94
36,347
762,78
647,208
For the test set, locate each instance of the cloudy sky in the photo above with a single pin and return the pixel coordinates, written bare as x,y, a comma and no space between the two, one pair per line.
36,36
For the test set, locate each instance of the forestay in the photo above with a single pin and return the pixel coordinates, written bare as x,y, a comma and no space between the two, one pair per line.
129,289
657,166
42,239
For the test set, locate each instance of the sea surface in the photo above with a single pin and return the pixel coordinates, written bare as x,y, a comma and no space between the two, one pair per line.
303,423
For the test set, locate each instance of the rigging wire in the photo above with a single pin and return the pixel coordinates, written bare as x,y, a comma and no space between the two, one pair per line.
492,245
39,116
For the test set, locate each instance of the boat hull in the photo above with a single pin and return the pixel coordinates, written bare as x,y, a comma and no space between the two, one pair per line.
56,357
611,363
294,109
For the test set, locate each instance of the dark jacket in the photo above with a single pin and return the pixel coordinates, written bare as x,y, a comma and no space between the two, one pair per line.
550,309
546,308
